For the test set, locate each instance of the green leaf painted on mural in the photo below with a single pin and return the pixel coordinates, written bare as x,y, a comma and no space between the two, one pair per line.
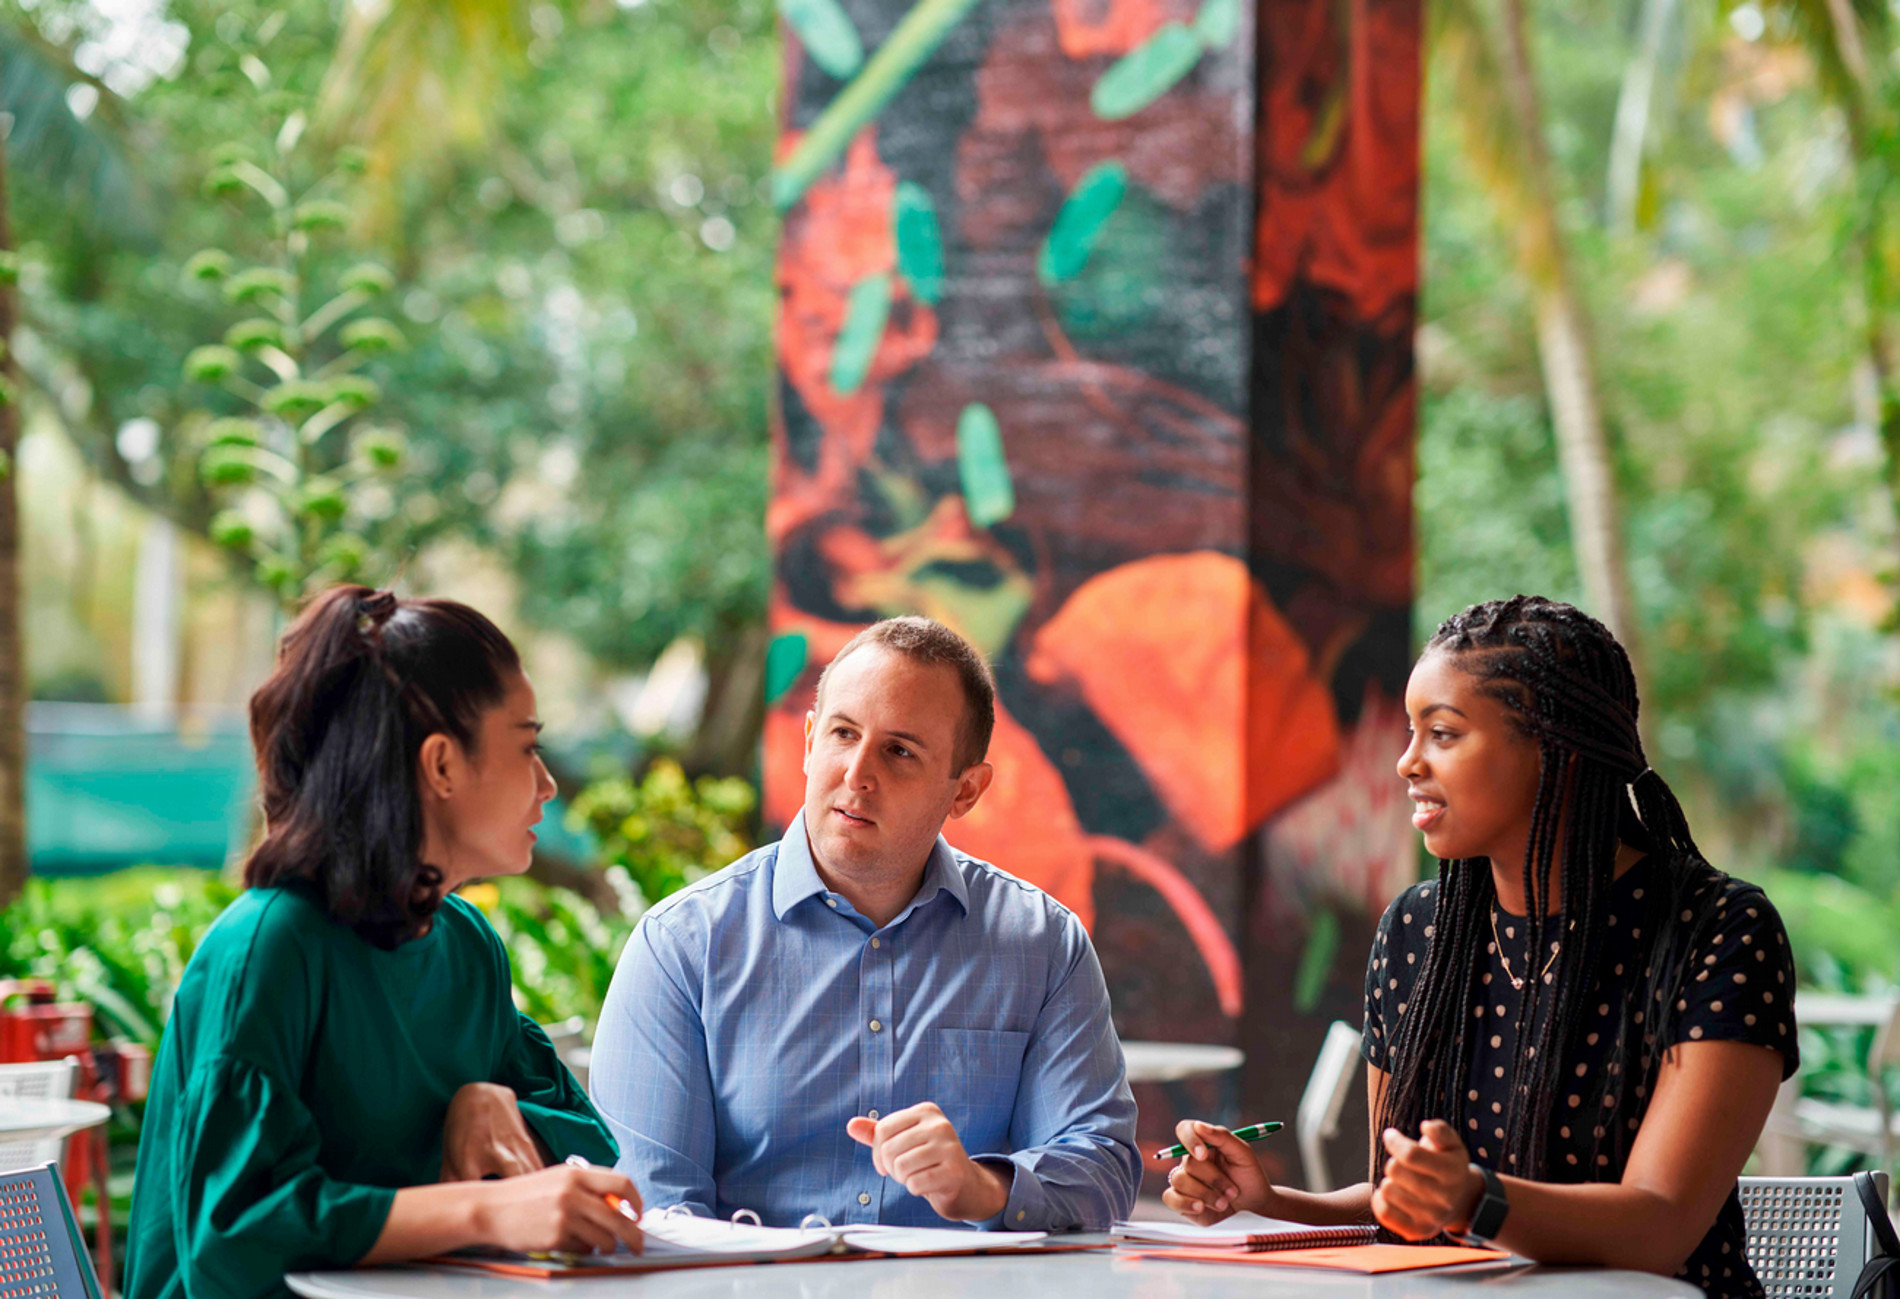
826,32
1316,962
988,495
863,326
919,242
1146,72
1079,224
784,662
1218,23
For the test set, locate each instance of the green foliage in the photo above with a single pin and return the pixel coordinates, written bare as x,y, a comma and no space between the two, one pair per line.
303,522
562,947
119,942
664,830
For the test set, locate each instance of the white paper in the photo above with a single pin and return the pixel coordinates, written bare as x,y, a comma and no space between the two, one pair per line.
1234,1231
884,1239
676,1233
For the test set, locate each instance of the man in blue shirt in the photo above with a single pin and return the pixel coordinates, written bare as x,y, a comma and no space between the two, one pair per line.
860,1021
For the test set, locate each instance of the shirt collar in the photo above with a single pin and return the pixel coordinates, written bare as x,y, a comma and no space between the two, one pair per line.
795,876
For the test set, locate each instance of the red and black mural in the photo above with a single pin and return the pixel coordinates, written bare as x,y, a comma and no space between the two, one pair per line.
1095,343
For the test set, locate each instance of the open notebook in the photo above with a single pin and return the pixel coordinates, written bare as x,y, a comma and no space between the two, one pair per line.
1244,1232
675,1240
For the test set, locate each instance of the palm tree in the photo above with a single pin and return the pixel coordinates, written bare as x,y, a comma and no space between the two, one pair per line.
1501,116
46,139
12,660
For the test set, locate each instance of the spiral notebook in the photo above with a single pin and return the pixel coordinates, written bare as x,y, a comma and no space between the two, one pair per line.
1243,1232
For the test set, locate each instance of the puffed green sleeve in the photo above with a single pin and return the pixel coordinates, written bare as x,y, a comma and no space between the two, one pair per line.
551,1100
255,1203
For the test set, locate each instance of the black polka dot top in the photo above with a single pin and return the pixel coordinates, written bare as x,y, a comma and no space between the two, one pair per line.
1740,987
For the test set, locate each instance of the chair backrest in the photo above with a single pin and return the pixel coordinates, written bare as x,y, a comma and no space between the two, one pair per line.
1325,1096
567,1033
42,1080
41,1251
1807,1237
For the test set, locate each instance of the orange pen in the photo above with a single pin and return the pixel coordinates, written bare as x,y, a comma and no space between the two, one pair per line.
619,1204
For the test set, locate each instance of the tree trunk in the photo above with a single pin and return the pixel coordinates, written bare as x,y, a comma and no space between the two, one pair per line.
1563,343
727,742
1633,105
12,659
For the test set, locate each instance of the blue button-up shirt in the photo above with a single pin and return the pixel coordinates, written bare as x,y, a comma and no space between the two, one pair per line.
755,1012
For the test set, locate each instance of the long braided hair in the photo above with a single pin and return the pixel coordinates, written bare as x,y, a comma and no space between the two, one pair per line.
1569,686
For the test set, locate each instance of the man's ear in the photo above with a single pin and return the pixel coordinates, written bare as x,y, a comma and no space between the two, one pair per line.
970,787
437,763
811,727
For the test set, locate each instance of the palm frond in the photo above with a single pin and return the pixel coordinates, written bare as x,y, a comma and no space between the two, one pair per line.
417,78
81,164
1464,44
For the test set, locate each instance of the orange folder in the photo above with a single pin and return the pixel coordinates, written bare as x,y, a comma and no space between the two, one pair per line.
1342,1258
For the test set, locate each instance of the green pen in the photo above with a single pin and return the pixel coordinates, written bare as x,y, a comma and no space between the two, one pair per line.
1257,1132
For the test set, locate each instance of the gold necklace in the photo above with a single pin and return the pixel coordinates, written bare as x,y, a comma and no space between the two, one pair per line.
1517,983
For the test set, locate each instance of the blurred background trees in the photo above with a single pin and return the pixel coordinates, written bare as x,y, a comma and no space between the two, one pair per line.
1695,293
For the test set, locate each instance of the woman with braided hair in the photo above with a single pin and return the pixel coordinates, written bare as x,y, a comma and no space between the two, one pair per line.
1573,1033
344,1070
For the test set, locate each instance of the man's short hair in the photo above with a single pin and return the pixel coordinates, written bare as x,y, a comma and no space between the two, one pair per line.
922,640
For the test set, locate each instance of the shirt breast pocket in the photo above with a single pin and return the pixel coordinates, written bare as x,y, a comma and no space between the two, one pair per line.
974,1074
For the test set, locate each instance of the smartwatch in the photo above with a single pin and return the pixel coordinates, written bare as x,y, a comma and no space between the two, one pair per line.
1487,1219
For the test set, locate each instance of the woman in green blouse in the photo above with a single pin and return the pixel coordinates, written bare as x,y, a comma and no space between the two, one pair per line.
344,1074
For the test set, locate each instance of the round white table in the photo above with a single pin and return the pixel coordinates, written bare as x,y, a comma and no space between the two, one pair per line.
1056,1276
1166,1062
48,1120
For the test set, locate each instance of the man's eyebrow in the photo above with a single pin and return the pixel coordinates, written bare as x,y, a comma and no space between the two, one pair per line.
530,726
848,720
1429,709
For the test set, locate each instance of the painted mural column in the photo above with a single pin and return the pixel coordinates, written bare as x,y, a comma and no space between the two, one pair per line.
1094,343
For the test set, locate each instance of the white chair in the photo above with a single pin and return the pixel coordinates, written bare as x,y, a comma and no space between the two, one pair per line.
1873,1130
42,1080
1326,1089
1807,1237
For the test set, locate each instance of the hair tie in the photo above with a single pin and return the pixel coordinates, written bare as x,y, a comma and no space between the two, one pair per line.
373,612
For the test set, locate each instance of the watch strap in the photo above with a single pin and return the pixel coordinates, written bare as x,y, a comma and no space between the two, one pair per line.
1487,1219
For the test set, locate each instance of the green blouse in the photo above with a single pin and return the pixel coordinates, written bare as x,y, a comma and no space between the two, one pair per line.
304,1077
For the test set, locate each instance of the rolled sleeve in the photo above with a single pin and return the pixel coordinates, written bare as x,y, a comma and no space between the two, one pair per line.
649,1075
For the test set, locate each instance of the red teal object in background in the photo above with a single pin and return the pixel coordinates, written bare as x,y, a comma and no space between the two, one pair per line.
1095,343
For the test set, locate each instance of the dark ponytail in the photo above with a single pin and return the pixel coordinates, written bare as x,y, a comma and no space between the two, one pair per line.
362,679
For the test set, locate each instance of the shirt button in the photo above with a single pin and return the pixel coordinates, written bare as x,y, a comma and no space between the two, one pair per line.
864,1197
1021,1214
874,943
876,1027
872,1116
832,903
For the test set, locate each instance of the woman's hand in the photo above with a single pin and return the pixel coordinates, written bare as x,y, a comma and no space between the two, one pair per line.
1219,1175
1429,1184
561,1208
484,1135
